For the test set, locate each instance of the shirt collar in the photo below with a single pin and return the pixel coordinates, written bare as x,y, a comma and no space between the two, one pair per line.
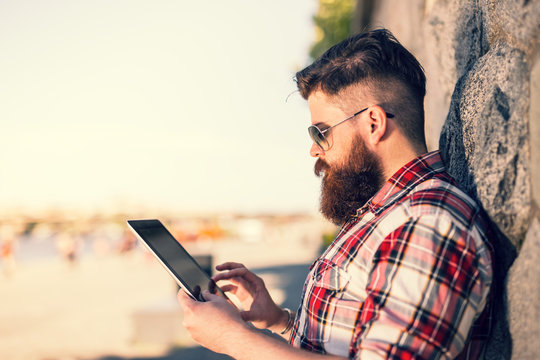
409,176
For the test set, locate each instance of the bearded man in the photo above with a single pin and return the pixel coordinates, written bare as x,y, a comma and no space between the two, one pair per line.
410,271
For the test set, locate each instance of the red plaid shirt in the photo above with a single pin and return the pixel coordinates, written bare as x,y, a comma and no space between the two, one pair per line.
408,277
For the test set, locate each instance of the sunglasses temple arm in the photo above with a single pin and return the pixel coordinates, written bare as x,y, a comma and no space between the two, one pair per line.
342,121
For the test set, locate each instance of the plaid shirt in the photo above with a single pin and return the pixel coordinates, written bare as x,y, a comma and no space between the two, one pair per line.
407,277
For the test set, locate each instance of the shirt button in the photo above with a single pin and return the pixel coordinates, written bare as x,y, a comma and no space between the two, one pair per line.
319,277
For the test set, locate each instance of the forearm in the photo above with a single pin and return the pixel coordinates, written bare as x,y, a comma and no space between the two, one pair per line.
250,344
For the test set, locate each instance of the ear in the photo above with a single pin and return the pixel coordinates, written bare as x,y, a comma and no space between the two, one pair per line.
377,125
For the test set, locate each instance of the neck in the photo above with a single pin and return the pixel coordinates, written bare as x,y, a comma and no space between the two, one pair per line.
399,154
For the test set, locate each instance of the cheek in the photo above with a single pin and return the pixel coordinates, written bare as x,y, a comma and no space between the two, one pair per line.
343,144
336,157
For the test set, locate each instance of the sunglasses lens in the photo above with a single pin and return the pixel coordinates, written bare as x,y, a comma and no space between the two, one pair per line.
317,137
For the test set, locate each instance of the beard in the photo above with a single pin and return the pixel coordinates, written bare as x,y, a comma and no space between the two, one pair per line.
346,188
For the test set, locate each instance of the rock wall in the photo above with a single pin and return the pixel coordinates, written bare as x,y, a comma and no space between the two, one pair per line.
482,63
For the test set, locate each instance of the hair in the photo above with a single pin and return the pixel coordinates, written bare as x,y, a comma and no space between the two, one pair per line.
382,67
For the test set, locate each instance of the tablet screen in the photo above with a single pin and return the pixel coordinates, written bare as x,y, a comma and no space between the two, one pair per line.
173,256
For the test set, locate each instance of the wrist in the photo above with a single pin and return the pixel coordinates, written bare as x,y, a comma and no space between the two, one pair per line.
290,321
285,322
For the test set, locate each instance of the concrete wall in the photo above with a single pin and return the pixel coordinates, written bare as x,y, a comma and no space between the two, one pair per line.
482,110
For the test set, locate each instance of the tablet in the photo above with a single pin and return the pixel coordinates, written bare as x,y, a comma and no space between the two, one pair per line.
181,266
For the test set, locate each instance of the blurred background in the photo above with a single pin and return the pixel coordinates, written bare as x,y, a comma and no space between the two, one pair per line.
185,111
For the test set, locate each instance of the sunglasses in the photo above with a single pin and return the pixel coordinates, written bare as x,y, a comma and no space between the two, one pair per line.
318,135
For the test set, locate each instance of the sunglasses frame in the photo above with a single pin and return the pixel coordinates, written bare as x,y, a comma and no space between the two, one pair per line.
318,137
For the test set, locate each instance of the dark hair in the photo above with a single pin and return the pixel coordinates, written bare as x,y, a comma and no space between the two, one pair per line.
377,61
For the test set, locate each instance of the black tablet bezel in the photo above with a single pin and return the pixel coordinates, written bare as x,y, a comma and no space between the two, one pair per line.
137,225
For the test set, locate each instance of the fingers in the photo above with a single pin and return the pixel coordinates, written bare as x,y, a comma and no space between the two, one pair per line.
208,296
187,302
229,266
229,288
239,272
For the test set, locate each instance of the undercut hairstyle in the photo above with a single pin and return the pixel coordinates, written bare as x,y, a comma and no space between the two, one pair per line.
383,68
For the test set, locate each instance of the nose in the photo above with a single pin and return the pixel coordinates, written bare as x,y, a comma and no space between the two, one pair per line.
316,150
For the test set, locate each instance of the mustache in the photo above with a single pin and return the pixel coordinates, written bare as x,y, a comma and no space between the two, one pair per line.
320,167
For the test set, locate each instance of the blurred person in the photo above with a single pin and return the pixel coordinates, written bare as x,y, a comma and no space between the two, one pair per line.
409,274
68,245
128,242
7,249
100,245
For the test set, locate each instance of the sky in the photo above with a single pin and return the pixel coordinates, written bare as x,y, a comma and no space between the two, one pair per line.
177,105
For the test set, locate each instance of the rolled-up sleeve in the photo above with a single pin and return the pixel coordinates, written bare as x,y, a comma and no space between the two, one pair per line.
428,283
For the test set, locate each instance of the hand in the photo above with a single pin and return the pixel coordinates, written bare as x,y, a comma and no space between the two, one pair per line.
250,290
215,323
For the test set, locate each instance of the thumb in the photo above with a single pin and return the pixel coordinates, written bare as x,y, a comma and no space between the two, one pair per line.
208,296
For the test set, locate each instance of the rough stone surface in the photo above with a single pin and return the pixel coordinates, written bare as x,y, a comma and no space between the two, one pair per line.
485,141
485,138
453,42
482,62
534,129
514,22
523,295
524,277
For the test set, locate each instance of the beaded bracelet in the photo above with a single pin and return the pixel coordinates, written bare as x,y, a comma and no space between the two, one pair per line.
290,321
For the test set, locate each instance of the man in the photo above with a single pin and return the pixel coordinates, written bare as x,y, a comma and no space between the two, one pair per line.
409,273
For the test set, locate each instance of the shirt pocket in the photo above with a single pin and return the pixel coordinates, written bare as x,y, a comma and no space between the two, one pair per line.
329,282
